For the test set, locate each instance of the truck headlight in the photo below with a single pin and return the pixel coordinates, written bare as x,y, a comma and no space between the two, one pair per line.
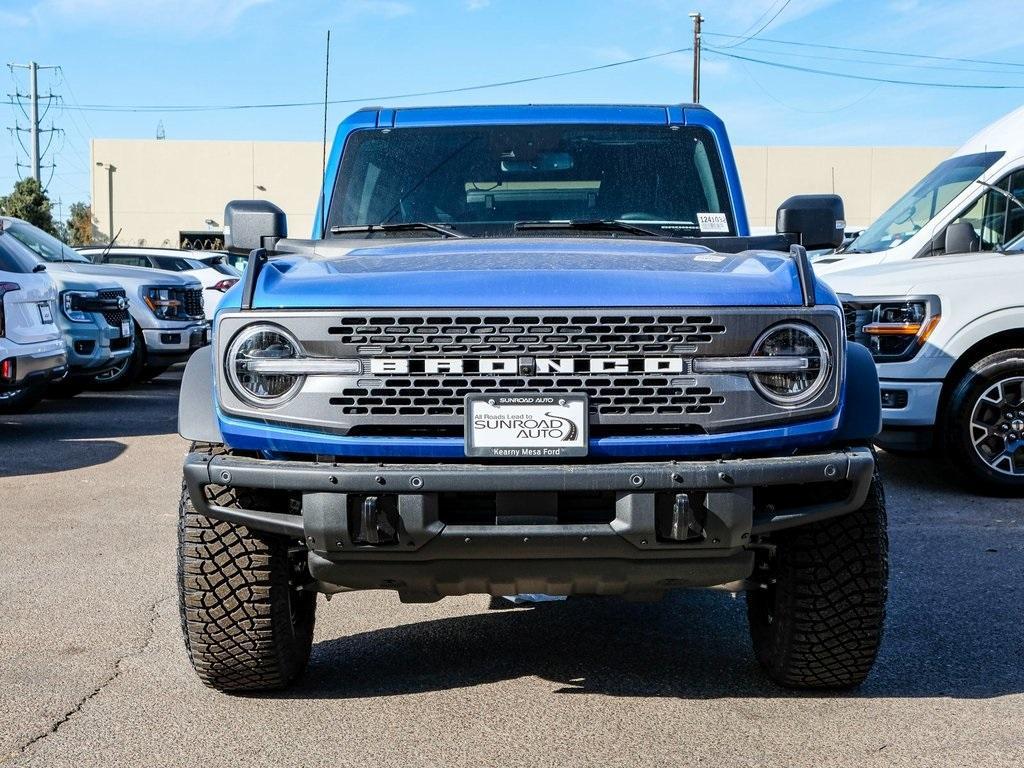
893,328
804,350
72,304
162,302
253,365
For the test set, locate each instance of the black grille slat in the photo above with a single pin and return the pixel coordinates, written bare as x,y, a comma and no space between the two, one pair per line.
527,335
609,395
191,301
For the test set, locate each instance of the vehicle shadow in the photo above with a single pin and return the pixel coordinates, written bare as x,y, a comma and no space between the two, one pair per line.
83,431
692,645
953,627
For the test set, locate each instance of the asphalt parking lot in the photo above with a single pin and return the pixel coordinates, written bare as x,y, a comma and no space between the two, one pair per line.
93,672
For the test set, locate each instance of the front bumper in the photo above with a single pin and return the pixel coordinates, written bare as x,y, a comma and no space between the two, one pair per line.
89,346
431,557
35,364
171,343
922,403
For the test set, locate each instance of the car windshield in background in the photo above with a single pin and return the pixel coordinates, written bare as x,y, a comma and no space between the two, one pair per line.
925,199
483,179
46,247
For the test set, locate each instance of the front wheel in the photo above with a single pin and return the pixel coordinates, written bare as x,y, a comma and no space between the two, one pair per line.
127,371
984,425
818,623
247,626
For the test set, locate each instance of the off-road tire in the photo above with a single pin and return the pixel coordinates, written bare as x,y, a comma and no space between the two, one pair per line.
956,433
246,627
21,400
818,624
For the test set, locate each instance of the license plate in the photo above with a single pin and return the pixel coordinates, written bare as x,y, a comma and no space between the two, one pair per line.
126,327
45,314
526,426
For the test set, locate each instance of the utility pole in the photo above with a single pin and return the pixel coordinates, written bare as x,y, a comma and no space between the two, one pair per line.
697,19
110,195
34,130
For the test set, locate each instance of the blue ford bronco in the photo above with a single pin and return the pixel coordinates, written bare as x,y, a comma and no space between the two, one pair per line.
531,349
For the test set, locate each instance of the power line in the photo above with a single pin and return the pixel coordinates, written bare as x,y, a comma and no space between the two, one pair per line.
873,50
761,29
851,60
365,99
868,78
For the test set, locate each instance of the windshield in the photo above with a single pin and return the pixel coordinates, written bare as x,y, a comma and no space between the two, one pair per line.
46,247
925,199
177,263
485,178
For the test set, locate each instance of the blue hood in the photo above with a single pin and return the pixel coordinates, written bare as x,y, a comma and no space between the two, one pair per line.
530,272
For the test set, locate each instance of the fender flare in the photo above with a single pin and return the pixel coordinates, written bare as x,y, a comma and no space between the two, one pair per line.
861,418
197,413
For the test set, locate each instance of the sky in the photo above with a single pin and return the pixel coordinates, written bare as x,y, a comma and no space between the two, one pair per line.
130,53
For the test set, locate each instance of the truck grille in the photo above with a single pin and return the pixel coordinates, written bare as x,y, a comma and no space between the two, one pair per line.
191,301
506,334
609,395
114,317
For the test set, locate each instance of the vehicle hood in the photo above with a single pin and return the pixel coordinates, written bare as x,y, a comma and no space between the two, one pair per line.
129,277
72,281
934,274
529,272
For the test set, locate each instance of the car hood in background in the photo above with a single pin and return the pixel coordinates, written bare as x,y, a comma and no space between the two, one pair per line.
530,272
932,274
133,275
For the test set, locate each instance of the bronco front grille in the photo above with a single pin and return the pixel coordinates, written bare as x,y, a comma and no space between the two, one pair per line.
608,395
114,317
636,366
505,334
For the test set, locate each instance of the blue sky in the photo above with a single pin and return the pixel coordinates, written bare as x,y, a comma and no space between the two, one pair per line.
216,52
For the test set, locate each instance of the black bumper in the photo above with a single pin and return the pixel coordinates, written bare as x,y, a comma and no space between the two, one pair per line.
628,554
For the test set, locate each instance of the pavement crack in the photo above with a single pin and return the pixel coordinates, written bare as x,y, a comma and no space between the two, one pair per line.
115,673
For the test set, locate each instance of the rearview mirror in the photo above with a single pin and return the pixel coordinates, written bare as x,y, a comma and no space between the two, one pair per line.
961,237
251,224
817,220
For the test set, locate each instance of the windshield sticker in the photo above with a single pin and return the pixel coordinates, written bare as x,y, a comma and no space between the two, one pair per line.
712,257
713,222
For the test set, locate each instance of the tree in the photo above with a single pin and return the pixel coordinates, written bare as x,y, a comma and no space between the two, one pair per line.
28,201
80,229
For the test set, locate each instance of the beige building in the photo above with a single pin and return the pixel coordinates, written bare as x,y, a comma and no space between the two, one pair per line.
173,192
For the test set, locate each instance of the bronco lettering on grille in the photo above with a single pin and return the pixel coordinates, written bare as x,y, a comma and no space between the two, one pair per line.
526,365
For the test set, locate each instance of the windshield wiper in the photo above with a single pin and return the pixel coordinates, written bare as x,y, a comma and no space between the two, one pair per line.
596,225
403,226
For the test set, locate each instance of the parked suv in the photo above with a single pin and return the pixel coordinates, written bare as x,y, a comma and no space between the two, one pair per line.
211,271
166,308
31,348
531,350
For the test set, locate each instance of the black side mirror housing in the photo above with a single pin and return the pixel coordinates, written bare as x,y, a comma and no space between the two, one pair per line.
961,237
251,224
819,221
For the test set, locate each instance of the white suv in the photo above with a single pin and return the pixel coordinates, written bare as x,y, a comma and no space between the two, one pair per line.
32,352
947,334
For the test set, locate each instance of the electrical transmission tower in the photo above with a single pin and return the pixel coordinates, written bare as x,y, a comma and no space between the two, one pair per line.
35,119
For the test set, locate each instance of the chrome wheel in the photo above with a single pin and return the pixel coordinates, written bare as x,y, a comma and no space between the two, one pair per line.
997,426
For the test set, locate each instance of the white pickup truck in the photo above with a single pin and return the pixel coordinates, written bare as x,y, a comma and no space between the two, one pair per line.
947,335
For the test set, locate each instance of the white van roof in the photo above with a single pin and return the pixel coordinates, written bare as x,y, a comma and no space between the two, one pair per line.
1006,134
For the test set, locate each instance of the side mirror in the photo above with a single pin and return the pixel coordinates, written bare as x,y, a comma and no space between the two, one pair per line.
251,224
817,220
961,237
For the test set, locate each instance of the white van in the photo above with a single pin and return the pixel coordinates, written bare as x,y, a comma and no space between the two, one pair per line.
977,185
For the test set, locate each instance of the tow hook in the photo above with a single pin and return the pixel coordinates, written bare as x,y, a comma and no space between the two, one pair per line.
374,524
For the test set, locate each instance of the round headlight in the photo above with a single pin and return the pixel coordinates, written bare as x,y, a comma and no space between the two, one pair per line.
256,383
806,348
